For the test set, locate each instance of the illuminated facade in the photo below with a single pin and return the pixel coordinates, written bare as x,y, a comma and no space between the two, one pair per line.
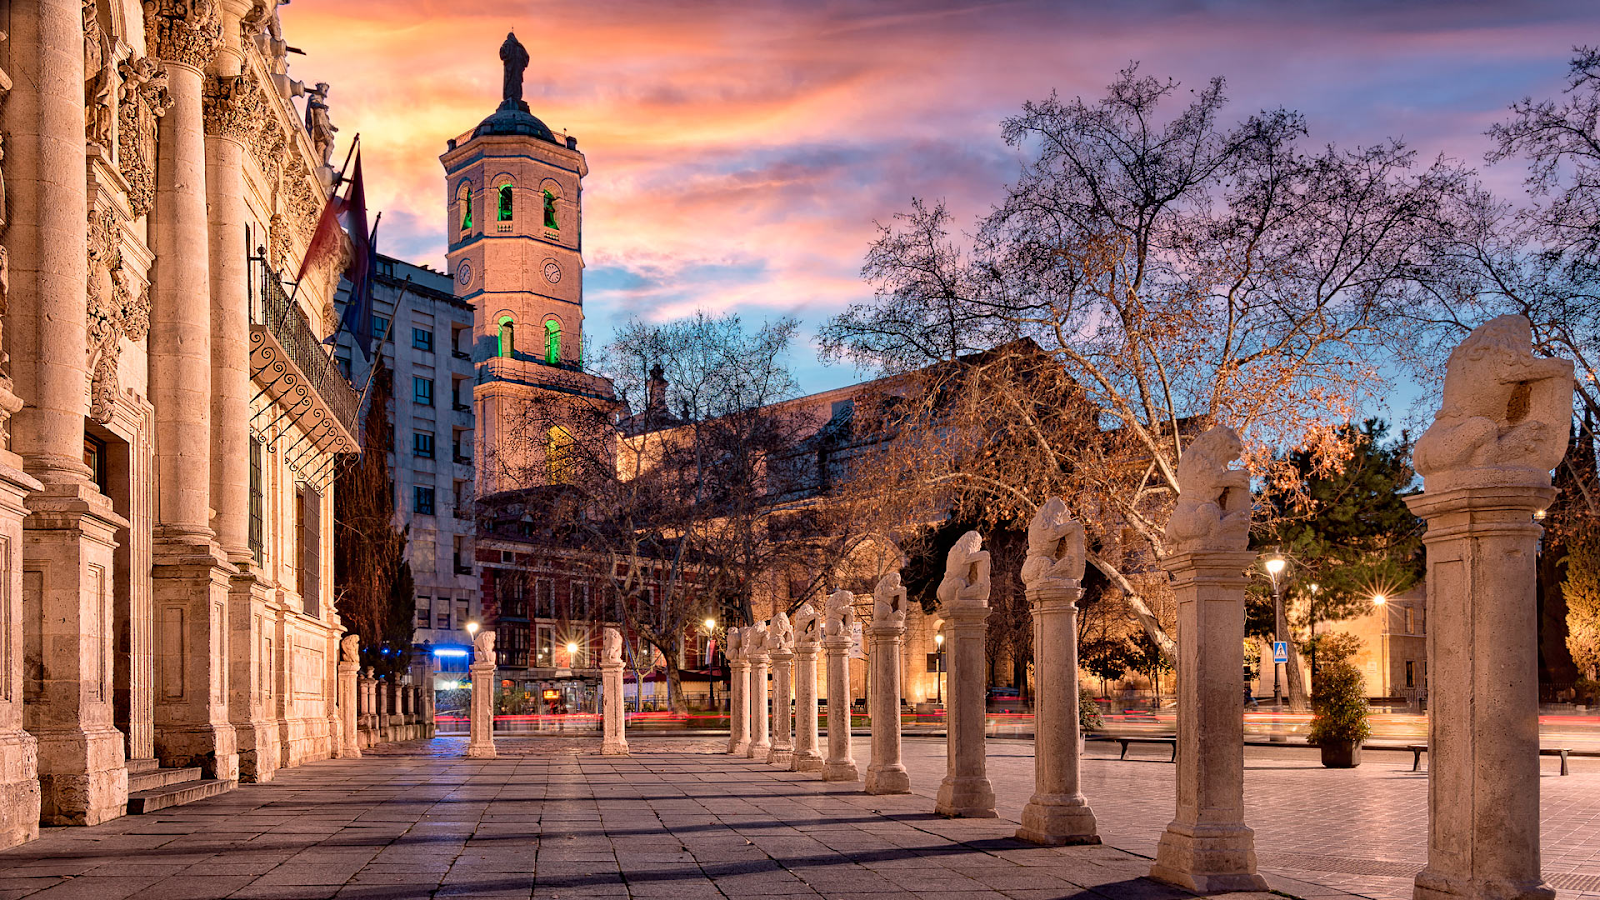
167,603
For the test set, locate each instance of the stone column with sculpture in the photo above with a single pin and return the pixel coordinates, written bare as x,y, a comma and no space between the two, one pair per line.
807,641
1207,848
349,671
755,646
480,738
886,774
68,538
738,679
613,713
838,623
1485,464
964,603
1052,574
780,644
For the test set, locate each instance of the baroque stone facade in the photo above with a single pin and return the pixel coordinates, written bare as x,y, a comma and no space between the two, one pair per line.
165,480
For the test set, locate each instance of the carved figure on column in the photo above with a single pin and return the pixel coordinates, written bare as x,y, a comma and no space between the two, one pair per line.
144,101
1056,549
756,651
886,774
611,646
1213,511
807,632
515,57
115,312
319,124
100,81
255,20
964,602
780,633
1504,408
889,601
838,622
839,614
806,624
966,573
350,649
483,647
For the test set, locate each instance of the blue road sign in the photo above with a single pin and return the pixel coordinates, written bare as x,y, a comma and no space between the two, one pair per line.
1280,651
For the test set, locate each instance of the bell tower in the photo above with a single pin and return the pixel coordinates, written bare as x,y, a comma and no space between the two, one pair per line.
514,218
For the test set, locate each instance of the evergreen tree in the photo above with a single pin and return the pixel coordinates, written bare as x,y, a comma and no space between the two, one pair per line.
1582,591
374,582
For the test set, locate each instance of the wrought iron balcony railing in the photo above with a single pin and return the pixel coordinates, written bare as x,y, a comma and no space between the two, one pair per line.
282,318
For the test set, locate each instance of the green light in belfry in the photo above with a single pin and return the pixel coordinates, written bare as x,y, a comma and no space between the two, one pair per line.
550,210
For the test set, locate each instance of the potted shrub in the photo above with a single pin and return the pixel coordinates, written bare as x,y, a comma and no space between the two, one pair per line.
1339,705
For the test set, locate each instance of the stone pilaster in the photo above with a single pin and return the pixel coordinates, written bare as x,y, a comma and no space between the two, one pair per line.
612,711
349,675
480,741
68,542
760,743
19,750
782,752
1483,703
840,765
886,774
738,712
965,790
806,757
1207,848
1057,813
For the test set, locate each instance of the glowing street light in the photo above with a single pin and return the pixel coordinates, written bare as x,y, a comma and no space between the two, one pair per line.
711,624
938,677
1379,599
472,627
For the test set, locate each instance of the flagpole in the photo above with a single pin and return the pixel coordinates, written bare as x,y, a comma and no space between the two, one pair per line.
333,193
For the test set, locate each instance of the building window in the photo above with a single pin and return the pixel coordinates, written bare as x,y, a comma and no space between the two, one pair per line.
257,500
344,367
508,338
552,342
444,616
422,445
544,646
505,202
550,211
422,500
1411,674
380,327
94,456
544,599
1411,623
422,339
308,520
421,390
558,455
424,612
464,195
580,600
461,613
463,555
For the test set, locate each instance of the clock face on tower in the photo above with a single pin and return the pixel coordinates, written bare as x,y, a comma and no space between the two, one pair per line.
464,272
552,272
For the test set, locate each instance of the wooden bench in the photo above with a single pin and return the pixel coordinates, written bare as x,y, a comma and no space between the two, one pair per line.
1125,741
1418,749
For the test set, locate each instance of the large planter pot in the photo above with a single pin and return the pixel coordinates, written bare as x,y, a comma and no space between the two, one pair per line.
1341,755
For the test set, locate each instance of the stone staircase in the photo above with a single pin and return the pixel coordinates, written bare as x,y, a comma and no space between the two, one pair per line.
151,788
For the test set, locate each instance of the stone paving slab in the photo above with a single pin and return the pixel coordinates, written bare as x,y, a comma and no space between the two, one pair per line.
548,821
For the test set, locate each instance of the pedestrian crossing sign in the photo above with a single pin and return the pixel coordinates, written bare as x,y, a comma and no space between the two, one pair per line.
1280,651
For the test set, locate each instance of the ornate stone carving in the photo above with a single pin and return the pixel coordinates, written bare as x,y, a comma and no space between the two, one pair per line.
734,645
1505,412
234,107
611,650
1056,549
839,614
188,32
318,123
5,88
256,20
889,601
115,311
483,648
966,574
144,101
350,648
100,80
515,58
1213,511
755,639
806,624
279,243
781,633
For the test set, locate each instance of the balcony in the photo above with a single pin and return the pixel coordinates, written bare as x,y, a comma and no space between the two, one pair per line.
290,362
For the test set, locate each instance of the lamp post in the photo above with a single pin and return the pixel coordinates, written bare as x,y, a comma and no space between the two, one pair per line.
711,661
1314,589
1275,565
1381,602
938,677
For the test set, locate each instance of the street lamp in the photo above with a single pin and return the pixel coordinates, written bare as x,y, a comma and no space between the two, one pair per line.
938,677
1314,589
1380,601
1275,565
711,661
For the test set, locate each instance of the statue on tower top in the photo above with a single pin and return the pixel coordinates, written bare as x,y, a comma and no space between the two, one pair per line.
515,56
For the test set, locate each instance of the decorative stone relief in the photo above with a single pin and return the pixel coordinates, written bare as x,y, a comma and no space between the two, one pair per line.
350,649
1505,412
144,101
1056,549
755,639
611,648
115,312
839,614
734,645
233,106
5,256
780,634
255,20
966,574
889,601
1213,511
100,80
806,624
483,647
188,32
318,123
279,242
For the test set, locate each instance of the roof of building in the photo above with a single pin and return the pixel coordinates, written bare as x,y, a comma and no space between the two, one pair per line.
515,119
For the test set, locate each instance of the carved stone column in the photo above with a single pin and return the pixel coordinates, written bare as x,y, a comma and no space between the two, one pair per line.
964,603
840,765
480,741
782,752
1207,848
69,539
886,774
192,578
613,712
1057,813
760,743
19,750
1485,464
349,672
738,721
806,643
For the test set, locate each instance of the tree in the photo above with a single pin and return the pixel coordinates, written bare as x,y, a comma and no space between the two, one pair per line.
1175,270
377,597
1582,591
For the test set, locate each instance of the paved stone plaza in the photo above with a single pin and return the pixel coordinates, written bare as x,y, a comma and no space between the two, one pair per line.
551,819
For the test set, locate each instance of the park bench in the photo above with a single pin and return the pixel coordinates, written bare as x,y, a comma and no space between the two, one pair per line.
1418,749
1161,741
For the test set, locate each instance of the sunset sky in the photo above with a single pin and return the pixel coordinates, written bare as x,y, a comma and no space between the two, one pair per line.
739,153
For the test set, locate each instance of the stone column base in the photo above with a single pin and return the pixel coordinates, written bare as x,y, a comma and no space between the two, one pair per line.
87,779
1058,821
965,797
777,757
740,748
1208,859
844,770
1433,886
805,761
758,750
19,788
481,751
258,750
888,780
614,748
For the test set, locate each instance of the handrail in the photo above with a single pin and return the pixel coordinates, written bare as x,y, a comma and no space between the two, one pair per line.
287,324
